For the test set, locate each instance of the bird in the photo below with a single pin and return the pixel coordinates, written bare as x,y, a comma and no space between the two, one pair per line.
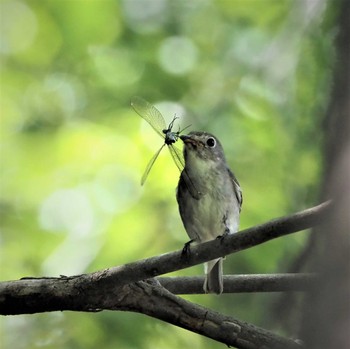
216,208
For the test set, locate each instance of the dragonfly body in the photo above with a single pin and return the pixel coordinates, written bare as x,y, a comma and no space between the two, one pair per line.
171,137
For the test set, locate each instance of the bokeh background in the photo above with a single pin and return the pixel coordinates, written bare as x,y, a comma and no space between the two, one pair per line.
255,73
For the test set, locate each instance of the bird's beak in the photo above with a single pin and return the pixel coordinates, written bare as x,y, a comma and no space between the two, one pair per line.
190,140
185,138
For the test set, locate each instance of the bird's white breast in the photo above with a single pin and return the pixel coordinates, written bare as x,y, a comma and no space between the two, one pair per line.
217,210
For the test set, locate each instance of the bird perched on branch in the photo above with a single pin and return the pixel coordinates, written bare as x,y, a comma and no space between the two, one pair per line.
215,210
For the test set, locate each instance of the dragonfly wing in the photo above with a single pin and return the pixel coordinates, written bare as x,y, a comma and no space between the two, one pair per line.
180,163
150,164
177,156
150,113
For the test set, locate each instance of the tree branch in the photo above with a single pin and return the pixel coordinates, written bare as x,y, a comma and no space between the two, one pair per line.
148,298
117,288
243,283
169,262
30,296
211,324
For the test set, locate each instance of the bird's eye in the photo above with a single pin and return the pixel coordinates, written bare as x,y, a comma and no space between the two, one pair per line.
211,142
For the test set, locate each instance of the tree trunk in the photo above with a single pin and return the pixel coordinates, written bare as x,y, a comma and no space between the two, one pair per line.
326,318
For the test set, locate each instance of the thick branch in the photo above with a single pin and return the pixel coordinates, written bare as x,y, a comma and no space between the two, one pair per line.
148,298
49,294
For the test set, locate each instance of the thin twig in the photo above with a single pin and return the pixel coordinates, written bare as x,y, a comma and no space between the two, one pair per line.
242,283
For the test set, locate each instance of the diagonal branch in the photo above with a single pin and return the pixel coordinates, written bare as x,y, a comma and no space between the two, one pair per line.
228,244
180,312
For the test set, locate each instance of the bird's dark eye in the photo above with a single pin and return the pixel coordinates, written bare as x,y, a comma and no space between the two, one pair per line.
211,142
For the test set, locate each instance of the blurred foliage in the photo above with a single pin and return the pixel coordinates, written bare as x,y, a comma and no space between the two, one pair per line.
256,73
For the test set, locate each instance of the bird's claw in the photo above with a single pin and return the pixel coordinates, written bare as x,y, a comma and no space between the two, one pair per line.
222,236
186,249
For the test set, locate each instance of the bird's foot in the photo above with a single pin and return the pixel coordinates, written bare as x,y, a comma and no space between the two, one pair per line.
222,236
186,251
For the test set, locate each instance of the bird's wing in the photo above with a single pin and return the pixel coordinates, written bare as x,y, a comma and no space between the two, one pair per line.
236,188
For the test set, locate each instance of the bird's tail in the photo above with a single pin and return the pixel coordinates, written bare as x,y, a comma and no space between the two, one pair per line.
214,277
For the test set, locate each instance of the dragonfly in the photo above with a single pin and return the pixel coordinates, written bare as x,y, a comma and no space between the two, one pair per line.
156,120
